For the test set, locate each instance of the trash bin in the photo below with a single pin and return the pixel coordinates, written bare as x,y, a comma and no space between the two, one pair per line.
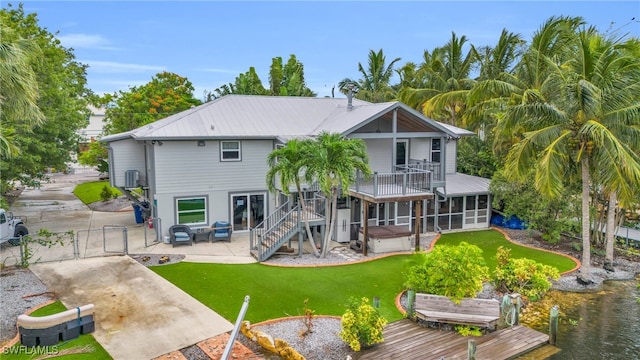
137,211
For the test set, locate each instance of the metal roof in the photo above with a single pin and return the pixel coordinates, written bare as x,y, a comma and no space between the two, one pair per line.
459,184
278,117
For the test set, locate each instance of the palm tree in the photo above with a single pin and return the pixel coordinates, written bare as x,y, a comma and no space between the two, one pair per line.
579,112
333,163
288,163
448,83
374,84
19,90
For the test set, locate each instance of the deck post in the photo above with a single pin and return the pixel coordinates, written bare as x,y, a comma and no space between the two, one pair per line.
365,221
375,183
411,299
515,300
471,350
417,225
553,324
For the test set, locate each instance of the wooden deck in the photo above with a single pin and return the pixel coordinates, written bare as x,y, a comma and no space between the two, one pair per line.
407,340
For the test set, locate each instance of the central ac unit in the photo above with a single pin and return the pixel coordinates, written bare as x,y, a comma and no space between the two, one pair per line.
131,179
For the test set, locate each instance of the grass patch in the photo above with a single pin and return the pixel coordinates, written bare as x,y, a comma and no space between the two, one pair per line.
490,240
84,347
278,292
89,192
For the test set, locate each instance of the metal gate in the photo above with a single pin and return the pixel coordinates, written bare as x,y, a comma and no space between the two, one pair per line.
111,239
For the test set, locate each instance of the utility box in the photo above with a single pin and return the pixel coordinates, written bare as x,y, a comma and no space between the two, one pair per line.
131,179
343,226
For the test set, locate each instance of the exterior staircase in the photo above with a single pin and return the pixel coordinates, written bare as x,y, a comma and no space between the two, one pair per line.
281,226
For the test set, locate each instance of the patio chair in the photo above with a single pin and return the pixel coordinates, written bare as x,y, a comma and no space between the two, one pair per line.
221,231
181,235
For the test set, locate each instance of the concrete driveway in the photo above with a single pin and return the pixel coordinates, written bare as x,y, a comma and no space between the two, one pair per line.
138,314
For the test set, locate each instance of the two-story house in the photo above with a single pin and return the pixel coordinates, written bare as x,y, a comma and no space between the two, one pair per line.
209,163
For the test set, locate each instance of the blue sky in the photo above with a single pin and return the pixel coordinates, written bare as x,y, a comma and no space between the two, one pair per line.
210,42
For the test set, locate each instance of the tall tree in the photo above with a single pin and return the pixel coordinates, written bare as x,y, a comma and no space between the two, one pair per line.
288,165
284,80
448,82
334,163
19,90
374,85
579,112
61,83
166,94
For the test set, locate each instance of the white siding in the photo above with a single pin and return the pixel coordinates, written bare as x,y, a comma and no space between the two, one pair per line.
184,169
127,155
420,148
451,154
181,165
380,153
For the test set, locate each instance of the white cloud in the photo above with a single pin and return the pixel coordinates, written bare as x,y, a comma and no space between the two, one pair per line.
116,67
86,41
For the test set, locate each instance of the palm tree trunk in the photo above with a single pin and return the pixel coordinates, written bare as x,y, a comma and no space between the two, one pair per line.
334,210
585,271
306,224
611,231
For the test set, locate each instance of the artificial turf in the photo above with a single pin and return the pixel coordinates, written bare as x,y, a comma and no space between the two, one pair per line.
490,240
82,343
280,291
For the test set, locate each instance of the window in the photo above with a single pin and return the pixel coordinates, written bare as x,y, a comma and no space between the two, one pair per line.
230,151
192,211
435,150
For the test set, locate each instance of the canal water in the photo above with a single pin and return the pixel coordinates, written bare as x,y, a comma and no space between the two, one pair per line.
602,325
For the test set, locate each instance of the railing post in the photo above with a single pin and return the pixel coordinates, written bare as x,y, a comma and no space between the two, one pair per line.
411,299
471,350
553,324
375,183
358,177
404,183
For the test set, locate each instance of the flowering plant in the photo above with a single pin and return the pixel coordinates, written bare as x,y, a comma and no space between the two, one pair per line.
361,324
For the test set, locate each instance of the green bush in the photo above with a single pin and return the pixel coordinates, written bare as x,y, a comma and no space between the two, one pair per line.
453,271
361,324
106,194
523,276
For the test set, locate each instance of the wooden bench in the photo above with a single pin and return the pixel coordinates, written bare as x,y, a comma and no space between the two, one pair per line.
51,329
476,312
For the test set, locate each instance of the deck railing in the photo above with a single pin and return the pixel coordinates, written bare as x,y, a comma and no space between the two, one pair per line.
434,167
412,181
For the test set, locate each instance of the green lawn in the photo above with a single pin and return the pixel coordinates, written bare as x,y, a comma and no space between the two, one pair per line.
278,291
490,240
89,192
86,344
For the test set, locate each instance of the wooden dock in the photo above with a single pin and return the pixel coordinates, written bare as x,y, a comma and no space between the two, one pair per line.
407,340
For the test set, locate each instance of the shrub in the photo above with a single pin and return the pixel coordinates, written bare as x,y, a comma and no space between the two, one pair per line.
361,324
524,276
453,271
107,193
468,330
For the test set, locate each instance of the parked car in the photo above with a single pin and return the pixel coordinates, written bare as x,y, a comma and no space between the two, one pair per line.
12,228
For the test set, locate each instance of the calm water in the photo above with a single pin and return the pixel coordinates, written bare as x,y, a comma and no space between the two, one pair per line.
605,325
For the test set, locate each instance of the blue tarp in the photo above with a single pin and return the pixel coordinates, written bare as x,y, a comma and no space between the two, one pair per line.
511,223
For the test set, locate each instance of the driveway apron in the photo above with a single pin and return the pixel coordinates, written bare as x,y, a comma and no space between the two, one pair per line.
138,314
